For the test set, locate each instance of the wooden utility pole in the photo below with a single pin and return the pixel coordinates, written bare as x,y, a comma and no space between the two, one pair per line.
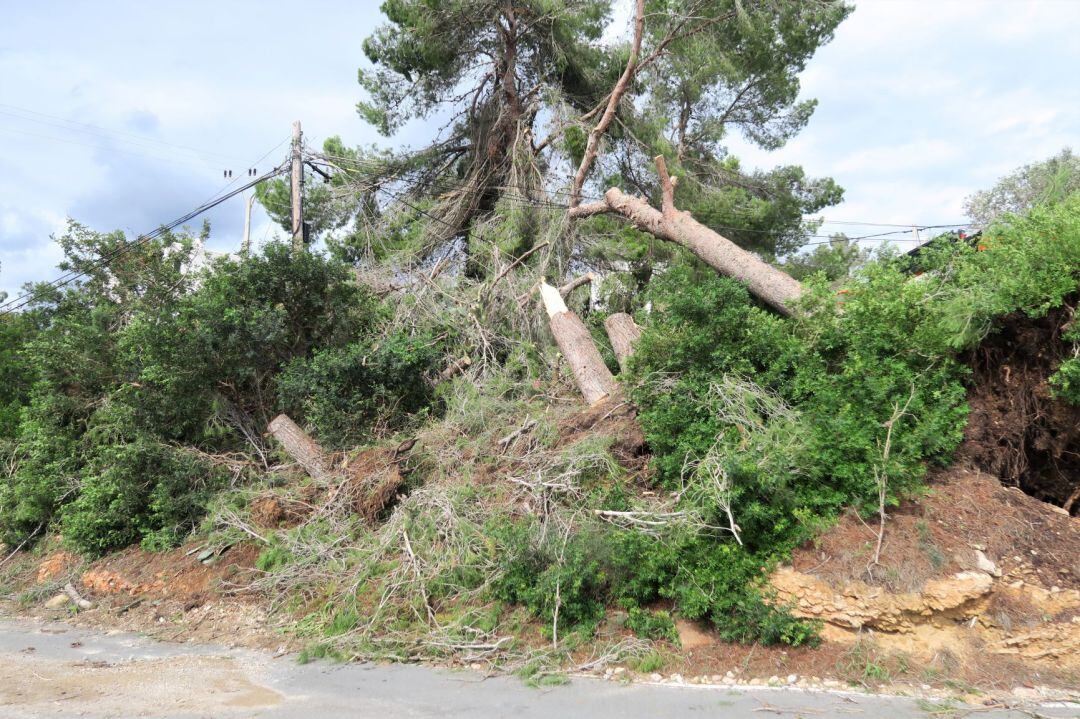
245,246
297,189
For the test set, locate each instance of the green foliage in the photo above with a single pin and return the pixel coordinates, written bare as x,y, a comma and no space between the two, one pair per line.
135,490
272,558
343,391
15,372
568,579
705,579
1066,381
836,260
650,624
1040,183
768,426
143,370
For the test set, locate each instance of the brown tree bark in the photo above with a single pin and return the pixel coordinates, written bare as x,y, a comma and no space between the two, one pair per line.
302,448
624,334
591,374
773,286
613,103
575,283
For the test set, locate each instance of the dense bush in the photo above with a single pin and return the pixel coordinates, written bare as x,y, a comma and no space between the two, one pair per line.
343,391
143,371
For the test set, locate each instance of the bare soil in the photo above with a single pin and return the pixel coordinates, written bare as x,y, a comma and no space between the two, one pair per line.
1017,430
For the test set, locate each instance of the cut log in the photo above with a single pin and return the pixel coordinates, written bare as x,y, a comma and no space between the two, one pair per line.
302,448
591,374
773,286
624,334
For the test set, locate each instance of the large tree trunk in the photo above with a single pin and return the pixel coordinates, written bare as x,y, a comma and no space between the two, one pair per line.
302,448
773,286
591,374
624,334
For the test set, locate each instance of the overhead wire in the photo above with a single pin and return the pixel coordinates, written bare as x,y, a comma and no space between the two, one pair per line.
513,194
67,278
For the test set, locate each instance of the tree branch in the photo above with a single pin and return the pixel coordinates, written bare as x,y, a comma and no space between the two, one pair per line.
612,105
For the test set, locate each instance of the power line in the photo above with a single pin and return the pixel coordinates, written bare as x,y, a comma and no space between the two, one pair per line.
373,165
67,278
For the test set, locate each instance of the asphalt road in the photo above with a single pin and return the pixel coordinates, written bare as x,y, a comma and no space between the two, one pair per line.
55,670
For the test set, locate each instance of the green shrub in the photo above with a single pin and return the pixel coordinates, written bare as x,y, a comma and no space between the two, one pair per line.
568,578
344,391
138,490
652,624
130,366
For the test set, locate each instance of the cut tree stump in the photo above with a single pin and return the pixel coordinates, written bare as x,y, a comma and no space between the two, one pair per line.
302,448
624,334
591,374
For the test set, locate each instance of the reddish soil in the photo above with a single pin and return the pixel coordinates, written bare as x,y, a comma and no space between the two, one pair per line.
937,535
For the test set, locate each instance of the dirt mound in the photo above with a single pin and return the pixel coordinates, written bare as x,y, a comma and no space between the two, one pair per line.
614,417
965,513
177,574
1017,430
972,570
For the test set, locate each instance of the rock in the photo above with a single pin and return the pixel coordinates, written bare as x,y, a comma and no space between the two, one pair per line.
729,675
774,680
984,564
619,670
792,678
656,677
728,680
859,606
57,602
677,678
691,636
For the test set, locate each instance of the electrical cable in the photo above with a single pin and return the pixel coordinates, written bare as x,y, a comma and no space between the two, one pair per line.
67,278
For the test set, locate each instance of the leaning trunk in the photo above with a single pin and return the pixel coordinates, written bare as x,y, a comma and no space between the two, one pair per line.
773,286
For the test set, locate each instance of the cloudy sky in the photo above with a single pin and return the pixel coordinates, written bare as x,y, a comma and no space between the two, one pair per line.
123,115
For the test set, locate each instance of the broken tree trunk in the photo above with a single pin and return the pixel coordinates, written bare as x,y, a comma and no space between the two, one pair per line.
302,448
624,334
773,286
591,374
